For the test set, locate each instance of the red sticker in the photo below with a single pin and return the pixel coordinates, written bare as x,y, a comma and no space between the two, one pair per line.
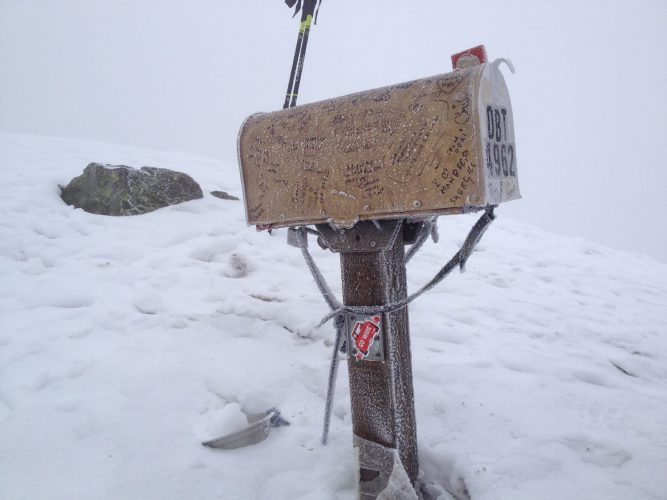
364,334
478,53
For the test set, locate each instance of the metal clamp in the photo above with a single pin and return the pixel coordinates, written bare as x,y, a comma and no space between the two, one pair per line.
364,236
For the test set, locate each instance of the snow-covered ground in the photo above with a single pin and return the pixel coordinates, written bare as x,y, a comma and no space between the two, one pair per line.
540,373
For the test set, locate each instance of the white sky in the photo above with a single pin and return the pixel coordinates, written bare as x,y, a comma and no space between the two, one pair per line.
588,97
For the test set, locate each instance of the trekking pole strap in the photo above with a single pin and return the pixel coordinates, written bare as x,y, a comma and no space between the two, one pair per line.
308,8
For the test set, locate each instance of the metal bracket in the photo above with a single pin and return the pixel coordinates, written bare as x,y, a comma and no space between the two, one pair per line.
411,231
364,236
296,239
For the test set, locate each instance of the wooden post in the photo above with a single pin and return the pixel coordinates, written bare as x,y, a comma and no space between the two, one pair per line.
381,392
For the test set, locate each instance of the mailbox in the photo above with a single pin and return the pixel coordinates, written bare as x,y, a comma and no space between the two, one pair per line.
439,145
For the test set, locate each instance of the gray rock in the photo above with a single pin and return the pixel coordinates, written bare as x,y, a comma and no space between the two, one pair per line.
223,195
122,190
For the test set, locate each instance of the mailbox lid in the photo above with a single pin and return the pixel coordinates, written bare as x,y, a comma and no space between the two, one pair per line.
407,150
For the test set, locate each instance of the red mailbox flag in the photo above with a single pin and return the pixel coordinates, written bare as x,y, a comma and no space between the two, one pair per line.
478,53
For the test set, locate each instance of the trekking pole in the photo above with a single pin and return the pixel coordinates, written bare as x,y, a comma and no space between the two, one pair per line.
300,51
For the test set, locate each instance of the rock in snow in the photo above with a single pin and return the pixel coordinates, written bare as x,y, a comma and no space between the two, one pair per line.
123,190
224,195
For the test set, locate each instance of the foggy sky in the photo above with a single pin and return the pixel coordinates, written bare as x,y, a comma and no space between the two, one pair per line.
588,97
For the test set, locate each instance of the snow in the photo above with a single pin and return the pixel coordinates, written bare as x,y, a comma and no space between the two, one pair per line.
540,373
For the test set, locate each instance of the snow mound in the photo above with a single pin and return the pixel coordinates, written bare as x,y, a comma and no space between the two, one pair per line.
540,373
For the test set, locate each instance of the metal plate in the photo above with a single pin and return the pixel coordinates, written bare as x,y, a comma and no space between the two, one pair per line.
414,149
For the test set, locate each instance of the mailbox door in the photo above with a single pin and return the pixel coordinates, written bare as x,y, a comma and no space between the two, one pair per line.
497,130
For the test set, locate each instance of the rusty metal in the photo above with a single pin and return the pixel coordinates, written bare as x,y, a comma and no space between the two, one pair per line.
440,145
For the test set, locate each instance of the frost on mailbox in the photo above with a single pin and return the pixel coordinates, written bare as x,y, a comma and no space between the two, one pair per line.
440,145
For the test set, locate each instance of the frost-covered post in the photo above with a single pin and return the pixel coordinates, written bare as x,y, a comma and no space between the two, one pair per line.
383,408
381,391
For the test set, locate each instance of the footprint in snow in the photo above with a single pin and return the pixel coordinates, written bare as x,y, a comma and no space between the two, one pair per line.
47,232
213,252
499,282
519,365
71,301
46,379
593,378
148,303
266,298
598,453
